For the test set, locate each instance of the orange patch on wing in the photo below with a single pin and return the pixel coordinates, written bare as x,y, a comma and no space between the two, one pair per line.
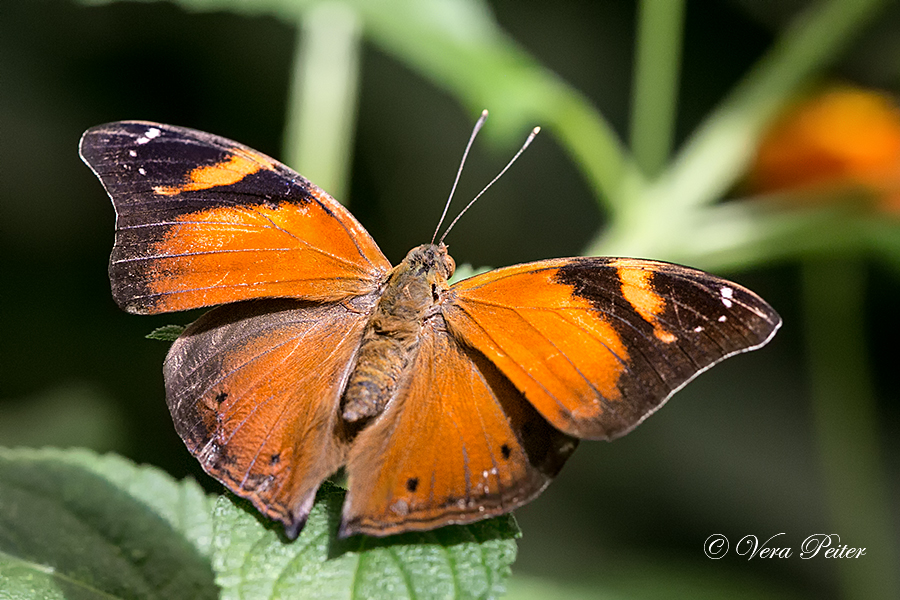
563,355
637,288
228,172
233,253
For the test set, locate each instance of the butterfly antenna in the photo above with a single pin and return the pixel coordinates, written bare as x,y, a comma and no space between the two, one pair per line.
528,141
475,130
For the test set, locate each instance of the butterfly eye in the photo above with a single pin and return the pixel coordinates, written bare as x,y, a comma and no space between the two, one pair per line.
450,264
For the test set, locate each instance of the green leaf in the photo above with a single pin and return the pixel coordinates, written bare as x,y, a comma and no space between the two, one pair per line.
465,271
252,559
166,333
74,524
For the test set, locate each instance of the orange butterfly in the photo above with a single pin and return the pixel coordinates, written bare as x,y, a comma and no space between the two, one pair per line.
443,403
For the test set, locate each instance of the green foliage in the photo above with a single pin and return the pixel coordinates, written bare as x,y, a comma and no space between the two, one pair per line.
166,333
77,525
252,561
74,524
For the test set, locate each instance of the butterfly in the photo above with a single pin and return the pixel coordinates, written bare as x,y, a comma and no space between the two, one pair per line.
444,404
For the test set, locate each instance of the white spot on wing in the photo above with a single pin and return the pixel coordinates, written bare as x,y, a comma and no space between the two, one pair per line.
727,295
151,133
722,319
400,507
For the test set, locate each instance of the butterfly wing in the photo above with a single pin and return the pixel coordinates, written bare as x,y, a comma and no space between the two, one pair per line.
254,389
202,220
598,344
458,443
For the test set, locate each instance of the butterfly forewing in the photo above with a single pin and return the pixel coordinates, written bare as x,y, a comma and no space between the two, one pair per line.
457,444
597,344
201,220
254,390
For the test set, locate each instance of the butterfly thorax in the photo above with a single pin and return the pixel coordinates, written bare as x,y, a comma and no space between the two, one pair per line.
392,335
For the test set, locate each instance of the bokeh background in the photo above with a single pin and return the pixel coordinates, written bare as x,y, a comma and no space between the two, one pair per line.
739,451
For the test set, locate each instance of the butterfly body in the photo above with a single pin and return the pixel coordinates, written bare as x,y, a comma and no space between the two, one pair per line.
394,330
443,403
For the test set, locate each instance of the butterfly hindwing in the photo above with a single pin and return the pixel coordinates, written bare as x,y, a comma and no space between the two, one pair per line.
457,444
598,344
202,220
254,389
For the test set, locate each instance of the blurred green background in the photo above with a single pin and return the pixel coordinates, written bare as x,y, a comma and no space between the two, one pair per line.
737,452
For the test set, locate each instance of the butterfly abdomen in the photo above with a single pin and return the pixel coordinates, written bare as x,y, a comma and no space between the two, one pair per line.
393,333
381,362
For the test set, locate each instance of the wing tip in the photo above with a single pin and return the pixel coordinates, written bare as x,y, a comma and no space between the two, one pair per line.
293,526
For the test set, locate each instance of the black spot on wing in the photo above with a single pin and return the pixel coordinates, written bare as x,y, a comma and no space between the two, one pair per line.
546,448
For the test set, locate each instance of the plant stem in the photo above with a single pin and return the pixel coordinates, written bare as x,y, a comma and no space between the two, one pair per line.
720,149
656,71
731,235
460,48
322,103
659,216
846,422
595,148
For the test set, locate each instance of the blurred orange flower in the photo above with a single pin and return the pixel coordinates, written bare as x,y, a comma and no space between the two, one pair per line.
843,137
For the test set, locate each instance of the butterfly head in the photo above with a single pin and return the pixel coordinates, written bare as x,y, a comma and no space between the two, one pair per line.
431,261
